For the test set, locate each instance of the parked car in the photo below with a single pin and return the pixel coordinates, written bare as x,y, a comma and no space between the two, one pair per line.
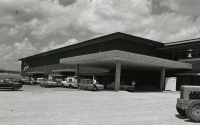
23,81
31,82
88,85
58,80
70,82
7,84
13,79
48,83
39,80
123,86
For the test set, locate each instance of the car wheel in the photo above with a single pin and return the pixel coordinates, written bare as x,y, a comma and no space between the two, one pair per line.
70,86
15,88
193,111
63,86
79,87
180,111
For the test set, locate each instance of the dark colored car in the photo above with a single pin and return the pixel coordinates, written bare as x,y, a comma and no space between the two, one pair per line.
13,79
123,86
23,81
7,84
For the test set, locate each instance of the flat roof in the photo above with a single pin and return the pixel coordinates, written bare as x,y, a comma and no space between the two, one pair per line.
130,61
185,43
117,35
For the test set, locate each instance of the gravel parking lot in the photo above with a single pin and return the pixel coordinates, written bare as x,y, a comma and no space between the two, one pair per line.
35,105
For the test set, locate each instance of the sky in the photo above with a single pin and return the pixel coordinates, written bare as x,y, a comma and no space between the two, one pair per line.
29,27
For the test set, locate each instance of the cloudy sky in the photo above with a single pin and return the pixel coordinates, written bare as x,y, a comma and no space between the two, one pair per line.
28,27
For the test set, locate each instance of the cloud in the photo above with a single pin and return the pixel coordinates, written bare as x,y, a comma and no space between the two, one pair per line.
98,17
37,16
53,45
41,21
25,48
135,17
185,7
9,55
102,16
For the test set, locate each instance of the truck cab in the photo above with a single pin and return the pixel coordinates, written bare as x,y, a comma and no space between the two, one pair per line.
71,82
189,102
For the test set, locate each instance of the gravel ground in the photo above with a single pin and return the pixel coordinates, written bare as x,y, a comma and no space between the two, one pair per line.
35,105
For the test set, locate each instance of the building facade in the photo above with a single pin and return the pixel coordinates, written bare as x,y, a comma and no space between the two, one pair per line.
119,58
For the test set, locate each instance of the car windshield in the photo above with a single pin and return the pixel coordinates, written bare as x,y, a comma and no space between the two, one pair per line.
87,81
7,80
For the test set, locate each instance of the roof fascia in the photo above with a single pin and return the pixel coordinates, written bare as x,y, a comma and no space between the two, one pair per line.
98,40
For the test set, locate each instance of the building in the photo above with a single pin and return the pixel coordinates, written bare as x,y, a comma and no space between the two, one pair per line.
120,57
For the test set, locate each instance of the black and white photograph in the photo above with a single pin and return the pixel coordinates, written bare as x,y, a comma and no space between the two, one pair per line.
99,62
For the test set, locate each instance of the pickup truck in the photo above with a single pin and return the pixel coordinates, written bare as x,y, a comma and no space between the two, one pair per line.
71,82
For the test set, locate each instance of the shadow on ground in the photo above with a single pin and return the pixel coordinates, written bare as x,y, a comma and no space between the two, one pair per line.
9,90
185,118
180,117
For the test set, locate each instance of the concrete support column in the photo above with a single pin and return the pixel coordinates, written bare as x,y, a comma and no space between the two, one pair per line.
162,79
117,75
77,70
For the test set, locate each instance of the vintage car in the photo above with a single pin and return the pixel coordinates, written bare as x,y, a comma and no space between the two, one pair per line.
13,79
123,86
88,85
30,82
7,84
23,81
38,80
70,82
48,83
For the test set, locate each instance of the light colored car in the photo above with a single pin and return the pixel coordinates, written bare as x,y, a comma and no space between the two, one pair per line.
39,80
88,85
48,83
71,82
123,86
